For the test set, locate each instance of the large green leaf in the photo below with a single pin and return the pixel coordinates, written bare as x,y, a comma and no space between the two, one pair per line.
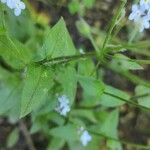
58,42
37,84
13,52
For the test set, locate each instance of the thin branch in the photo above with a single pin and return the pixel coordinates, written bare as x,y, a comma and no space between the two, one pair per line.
26,134
66,58
128,101
122,99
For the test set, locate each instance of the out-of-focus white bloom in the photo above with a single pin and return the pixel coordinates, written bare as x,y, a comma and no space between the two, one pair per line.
16,5
141,14
144,24
63,106
85,138
145,4
136,13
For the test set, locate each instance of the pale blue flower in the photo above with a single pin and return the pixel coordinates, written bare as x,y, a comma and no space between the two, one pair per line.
85,138
19,6
63,106
144,23
16,5
145,4
136,13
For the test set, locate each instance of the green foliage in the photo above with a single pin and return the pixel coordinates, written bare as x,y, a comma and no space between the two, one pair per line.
39,64
77,6
68,132
57,42
110,101
38,82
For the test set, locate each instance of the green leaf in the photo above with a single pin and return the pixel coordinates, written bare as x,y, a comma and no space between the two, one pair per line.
56,144
12,138
58,42
92,89
114,145
110,101
145,99
83,28
68,80
13,52
89,3
89,115
68,132
10,91
110,124
86,67
124,63
74,6
37,84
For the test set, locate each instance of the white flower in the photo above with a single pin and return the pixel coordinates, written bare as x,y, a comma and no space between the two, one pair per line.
63,106
85,138
145,4
16,5
137,11
19,6
144,24
141,14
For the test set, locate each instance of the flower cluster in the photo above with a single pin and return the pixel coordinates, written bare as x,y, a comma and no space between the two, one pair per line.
63,105
16,5
85,137
141,14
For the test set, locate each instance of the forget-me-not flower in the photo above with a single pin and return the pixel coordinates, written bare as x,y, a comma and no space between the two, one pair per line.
16,5
144,24
85,138
145,4
136,13
63,106
141,14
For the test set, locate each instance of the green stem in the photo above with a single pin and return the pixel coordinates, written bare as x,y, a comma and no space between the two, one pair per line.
130,76
93,43
64,59
113,24
143,147
130,101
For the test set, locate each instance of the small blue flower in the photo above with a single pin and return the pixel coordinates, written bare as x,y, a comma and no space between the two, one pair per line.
16,5
141,14
136,13
144,24
19,5
63,106
85,138
145,4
